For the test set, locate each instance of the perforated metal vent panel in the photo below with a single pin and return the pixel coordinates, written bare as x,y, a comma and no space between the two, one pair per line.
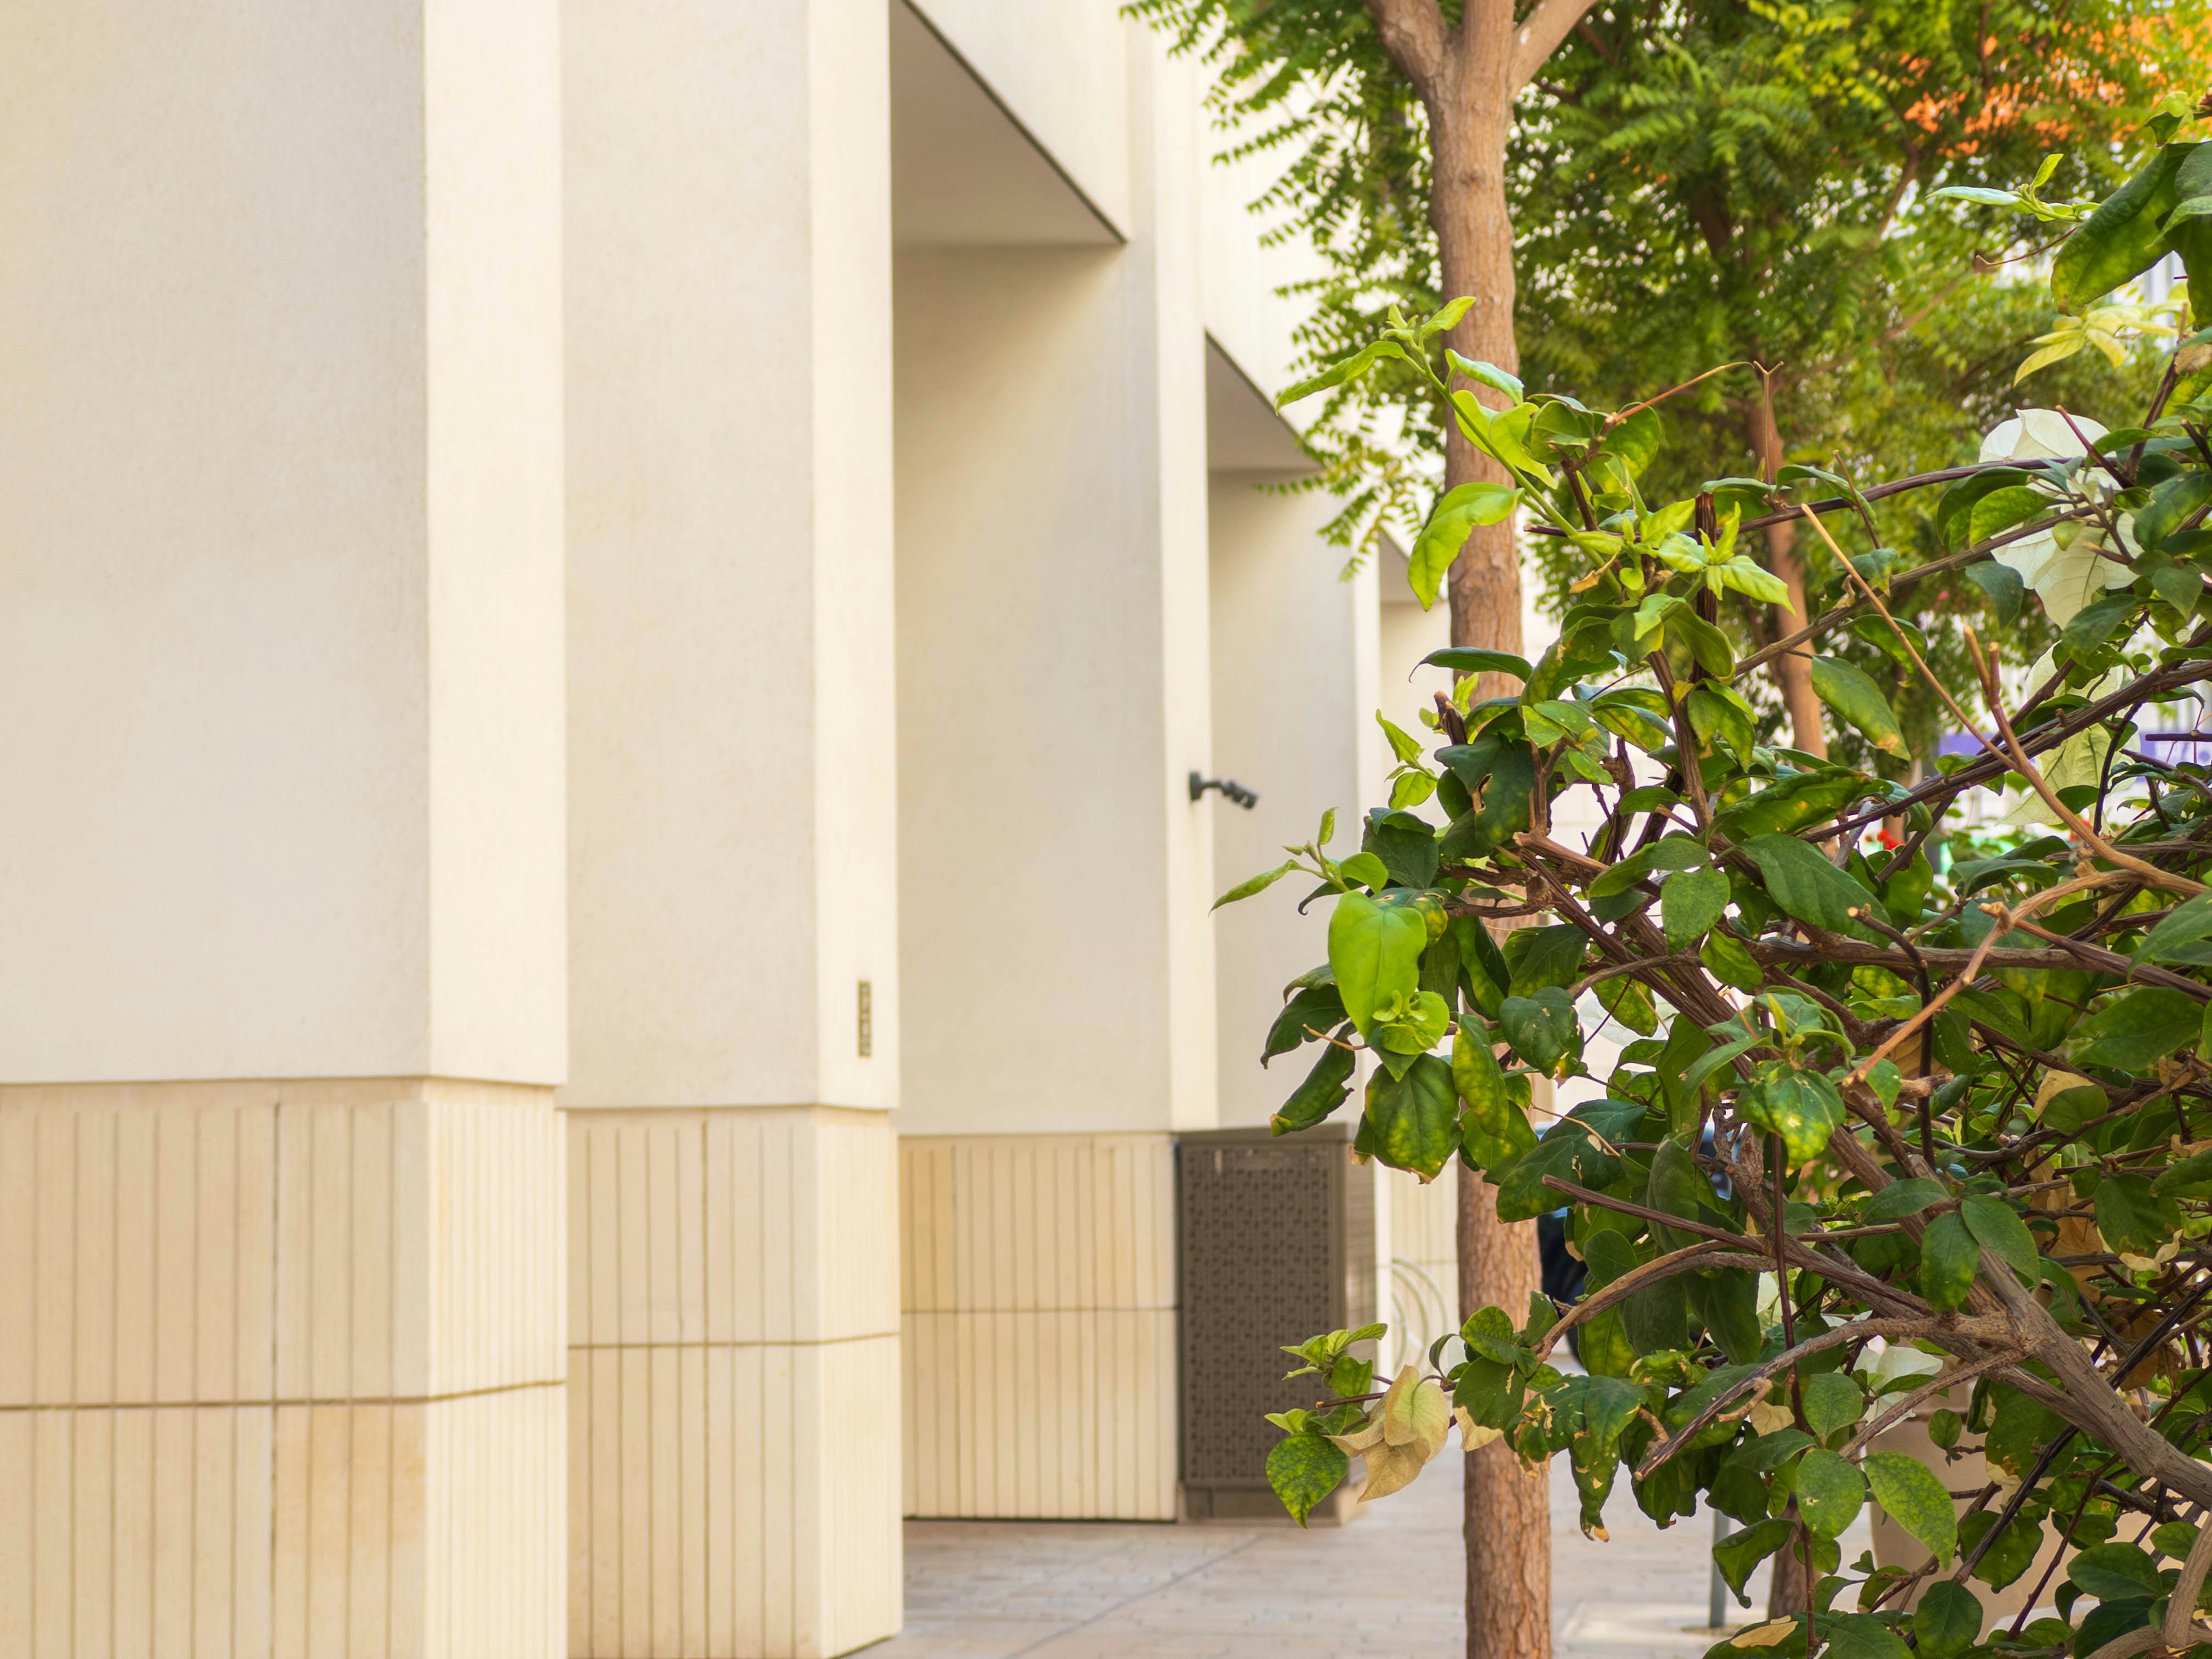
1277,1243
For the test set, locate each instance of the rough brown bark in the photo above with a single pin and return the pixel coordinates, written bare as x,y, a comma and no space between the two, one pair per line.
1467,78
1506,1520
1507,1511
1793,672
1789,1592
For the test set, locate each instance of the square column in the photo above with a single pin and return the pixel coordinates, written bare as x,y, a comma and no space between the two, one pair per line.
281,728
264,1396
735,1379
734,1466
1055,872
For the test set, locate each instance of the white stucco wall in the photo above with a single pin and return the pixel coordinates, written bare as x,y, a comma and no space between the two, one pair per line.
1033,787
732,748
280,593
1289,701
1067,84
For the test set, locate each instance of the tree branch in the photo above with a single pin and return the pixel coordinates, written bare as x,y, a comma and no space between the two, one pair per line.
1537,39
1413,33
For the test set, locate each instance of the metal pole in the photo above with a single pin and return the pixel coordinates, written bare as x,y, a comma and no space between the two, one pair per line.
1716,1601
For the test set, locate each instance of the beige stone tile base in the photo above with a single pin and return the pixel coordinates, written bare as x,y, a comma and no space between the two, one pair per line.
734,1423
1038,1320
282,1372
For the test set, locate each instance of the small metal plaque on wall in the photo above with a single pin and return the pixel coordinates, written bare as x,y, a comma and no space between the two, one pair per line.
1276,1243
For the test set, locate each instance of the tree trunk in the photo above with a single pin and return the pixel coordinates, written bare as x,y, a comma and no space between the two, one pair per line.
1788,1592
1506,1513
1507,1518
1793,669
1475,243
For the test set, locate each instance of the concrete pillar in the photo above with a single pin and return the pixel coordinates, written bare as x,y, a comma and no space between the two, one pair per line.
1294,699
281,869
1055,873
735,996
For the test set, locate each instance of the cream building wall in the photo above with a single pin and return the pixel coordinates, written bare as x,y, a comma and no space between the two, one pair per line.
733,1469
281,720
682,554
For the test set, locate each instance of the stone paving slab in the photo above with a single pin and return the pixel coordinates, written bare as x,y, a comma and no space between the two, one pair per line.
1387,1583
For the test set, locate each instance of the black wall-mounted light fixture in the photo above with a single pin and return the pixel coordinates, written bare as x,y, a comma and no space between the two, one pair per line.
1236,792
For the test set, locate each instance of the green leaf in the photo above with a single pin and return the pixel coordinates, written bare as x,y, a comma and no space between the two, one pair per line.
1808,797
1704,642
1324,1090
2175,1538
2172,501
1403,744
1487,375
2186,924
1860,1636
1845,688
1718,717
1303,1469
2001,509
2134,1032
1730,962
2007,1558
1677,1185
2188,1179
2002,586
1739,1554
1711,1061
1566,1152
2132,1217
1374,951
1913,1495
1690,903
1366,869
2107,1621
1830,1492
1417,1026
1832,1401
1456,513
1541,1028
2124,238
1411,1119
1544,956
1996,1229
1314,1011
2020,1428
1804,884
1801,1106
1337,373
2113,1572
1473,659
1901,1199
1629,1002
1259,884
1955,510
1949,1258
1949,1619
1494,1129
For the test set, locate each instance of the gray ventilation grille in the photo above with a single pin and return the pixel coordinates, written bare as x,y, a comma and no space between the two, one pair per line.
1277,1243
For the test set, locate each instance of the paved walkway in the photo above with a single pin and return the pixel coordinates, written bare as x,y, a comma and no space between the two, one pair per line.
1386,1584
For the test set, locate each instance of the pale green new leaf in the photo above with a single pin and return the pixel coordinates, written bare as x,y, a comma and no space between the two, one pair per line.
1259,884
1374,951
1844,687
1456,515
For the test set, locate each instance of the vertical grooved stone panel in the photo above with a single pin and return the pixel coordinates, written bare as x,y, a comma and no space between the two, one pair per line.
1038,1325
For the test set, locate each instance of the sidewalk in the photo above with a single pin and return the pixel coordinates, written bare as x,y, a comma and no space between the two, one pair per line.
1389,1583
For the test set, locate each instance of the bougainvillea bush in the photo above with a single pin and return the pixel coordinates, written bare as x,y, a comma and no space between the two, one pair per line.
1906,1118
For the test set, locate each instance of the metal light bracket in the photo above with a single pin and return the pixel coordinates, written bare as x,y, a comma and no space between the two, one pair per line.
1236,792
